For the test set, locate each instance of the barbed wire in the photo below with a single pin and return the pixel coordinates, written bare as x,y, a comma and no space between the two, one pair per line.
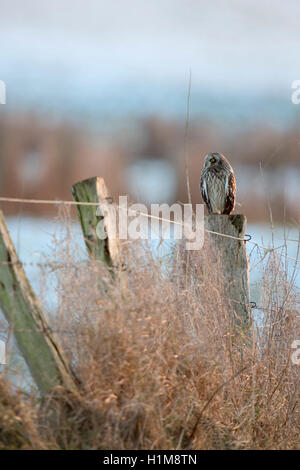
129,210
50,201
109,199
86,263
52,264
39,330
252,305
75,331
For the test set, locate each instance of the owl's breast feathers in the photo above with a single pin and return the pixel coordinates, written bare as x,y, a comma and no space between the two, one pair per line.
218,190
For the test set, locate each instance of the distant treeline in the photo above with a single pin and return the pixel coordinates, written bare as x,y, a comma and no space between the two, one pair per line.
40,158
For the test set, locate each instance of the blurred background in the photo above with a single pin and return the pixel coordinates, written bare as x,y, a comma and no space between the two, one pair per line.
100,88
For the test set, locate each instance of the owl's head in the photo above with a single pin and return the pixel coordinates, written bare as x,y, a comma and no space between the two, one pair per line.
215,159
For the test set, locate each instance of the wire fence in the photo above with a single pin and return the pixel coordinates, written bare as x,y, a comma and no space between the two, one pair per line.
150,216
5,331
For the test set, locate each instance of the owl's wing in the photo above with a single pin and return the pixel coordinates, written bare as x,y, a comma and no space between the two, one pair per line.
230,190
204,193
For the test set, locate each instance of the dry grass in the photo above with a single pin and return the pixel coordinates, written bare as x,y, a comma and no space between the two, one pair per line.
161,364
18,428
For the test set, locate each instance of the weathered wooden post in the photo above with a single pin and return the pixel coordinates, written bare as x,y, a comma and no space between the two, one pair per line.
107,250
233,259
22,309
94,190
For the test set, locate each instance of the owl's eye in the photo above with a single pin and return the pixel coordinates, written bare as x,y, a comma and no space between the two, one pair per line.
212,160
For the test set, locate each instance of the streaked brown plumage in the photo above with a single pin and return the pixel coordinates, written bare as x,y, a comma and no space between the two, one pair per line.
217,184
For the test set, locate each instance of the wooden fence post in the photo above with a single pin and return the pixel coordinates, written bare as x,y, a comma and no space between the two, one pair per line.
107,250
22,309
233,260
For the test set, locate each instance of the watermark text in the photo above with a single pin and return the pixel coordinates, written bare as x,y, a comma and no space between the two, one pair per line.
2,353
2,92
162,222
296,354
296,94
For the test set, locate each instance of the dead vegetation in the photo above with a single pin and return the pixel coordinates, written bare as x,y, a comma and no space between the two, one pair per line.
161,364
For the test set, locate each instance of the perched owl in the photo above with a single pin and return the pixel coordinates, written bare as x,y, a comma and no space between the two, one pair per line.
217,184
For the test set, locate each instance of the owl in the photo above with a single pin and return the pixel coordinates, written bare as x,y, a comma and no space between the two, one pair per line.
217,184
